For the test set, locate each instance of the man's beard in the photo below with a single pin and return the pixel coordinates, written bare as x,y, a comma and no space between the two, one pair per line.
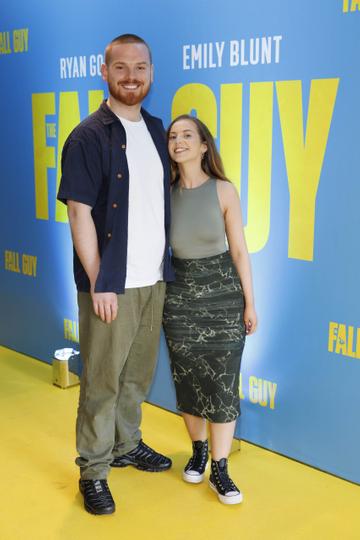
126,97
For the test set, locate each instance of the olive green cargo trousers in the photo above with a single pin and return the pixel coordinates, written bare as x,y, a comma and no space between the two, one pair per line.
119,360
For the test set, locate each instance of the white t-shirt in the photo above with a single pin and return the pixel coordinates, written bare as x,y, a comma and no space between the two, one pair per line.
146,231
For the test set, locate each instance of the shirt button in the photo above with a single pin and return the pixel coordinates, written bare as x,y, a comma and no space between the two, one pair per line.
109,234
119,175
114,205
123,146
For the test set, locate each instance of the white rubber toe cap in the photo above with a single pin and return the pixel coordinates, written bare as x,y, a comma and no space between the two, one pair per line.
233,497
193,477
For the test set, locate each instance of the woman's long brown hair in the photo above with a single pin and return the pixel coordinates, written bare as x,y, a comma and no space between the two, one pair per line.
211,163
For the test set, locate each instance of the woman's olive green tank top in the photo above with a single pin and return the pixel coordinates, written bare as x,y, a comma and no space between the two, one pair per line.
197,223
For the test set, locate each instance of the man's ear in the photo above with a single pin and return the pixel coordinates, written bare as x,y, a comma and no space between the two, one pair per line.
104,72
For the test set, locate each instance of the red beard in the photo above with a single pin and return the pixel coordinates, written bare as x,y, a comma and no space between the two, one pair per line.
126,97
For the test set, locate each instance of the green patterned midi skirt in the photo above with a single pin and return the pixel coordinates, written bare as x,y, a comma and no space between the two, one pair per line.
205,333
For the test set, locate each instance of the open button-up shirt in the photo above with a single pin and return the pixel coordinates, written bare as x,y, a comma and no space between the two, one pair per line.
95,172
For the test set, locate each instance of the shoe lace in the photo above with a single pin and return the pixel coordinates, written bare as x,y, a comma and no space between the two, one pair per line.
147,453
99,490
223,480
226,483
199,458
143,446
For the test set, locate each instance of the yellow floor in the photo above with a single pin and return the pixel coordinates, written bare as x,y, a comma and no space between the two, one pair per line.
39,498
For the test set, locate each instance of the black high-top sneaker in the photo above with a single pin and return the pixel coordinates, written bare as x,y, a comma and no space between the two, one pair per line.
222,484
194,471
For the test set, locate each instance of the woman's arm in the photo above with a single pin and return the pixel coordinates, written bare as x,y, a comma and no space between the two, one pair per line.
230,206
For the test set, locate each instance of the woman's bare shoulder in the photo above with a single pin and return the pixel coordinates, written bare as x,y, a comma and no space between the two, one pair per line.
226,190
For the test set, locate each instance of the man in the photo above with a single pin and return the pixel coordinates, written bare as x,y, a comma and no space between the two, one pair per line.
116,183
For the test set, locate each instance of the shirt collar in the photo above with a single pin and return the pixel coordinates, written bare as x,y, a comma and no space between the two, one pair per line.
108,117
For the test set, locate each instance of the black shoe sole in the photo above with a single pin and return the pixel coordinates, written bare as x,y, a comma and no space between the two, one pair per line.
97,513
140,467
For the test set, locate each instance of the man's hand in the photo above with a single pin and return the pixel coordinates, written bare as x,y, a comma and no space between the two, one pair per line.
105,306
86,245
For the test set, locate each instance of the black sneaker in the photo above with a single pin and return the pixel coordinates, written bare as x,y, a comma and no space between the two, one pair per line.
143,458
222,484
97,496
194,471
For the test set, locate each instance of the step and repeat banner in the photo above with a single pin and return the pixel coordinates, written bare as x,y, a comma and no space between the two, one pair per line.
278,84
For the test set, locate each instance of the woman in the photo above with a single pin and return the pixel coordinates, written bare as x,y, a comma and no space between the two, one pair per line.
210,307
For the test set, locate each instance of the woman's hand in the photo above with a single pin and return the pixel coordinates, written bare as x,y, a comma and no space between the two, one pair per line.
250,320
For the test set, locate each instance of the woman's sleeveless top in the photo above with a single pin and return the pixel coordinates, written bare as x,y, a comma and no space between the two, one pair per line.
197,222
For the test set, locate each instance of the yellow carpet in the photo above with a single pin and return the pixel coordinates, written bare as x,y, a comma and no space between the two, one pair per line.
39,497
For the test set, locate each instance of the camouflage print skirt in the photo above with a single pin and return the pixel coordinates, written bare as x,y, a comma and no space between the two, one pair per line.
205,333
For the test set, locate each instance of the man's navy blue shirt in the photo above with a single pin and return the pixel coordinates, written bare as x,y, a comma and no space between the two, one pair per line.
95,172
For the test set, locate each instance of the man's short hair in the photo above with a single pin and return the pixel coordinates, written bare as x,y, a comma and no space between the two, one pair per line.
125,38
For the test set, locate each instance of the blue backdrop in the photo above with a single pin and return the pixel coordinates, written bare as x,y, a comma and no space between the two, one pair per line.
278,83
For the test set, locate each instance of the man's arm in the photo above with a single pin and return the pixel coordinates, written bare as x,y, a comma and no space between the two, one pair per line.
86,245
